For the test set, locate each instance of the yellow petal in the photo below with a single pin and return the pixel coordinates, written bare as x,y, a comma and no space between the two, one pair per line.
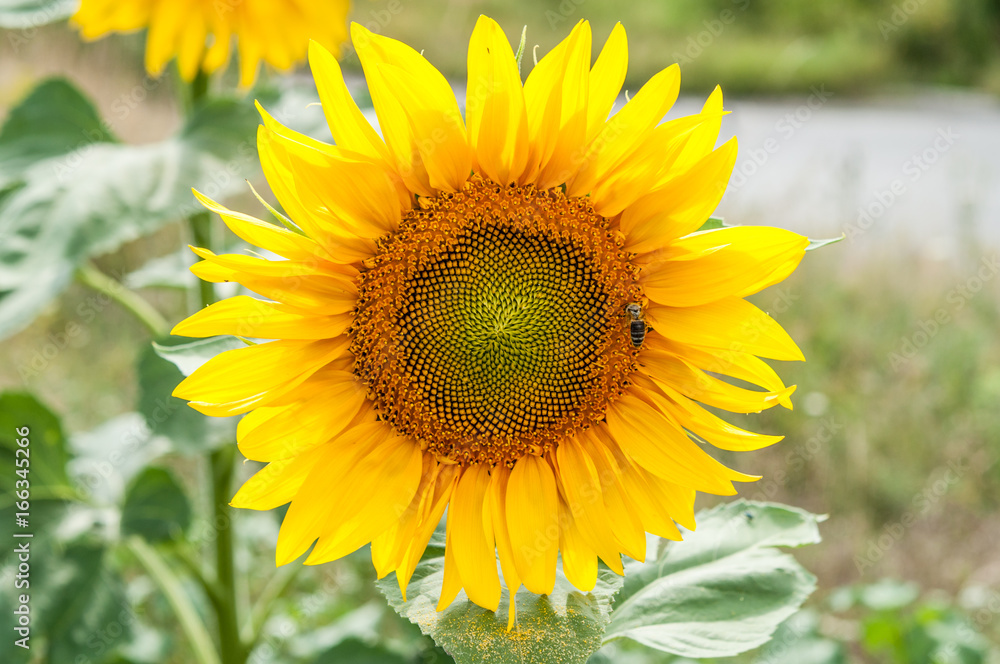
306,424
389,548
579,561
681,206
624,183
630,128
297,285
555,98
238,380
432,106
375,494
358,194
737,364
534,533
702,140
661,447
497,496
245,316
430,516
276,483
259,233
494,106
714,429
736,262
349,127
652,505
303,207
622,514
324,502
452,582
474,551
606,78
166,23
730,323
583,490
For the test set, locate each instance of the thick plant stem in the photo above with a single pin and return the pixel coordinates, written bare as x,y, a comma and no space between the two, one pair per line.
90,276
201,231
231,647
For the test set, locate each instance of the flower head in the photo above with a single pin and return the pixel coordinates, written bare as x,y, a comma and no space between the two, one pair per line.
200,32
509,314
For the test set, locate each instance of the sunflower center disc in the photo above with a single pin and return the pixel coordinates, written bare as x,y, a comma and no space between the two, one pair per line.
491,324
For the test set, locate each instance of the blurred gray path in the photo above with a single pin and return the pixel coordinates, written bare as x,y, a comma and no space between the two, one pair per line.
920,175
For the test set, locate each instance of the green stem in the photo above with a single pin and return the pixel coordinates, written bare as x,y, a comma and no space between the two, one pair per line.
168,583
198,91
201,231
194,566
232,648
90,276
275,588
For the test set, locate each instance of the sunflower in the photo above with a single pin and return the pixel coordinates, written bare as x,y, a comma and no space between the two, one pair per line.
200,32
510,314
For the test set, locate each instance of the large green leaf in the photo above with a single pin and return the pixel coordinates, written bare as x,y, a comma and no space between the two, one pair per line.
156,506
356,651
562,628
78,195
189,431
190,355
30,14
107,457
46,448
54,119
77,604
723,590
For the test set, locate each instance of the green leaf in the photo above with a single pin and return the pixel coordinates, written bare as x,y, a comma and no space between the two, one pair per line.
30,14
190,355
46,450
356,651
79,197
725,588
713,223
170,271
54,119
110,455
156,506
798,641
78,603
564,627
189,431
816,244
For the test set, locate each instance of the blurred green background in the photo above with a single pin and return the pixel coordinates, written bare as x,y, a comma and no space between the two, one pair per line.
899,448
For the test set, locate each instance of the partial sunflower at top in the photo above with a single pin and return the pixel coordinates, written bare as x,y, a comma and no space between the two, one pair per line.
200,32
456,325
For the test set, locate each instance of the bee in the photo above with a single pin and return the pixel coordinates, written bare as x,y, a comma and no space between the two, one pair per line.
637,325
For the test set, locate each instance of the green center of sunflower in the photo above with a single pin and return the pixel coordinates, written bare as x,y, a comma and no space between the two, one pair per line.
492,324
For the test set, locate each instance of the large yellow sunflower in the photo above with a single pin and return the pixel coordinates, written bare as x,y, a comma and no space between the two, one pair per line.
200,32
452,326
